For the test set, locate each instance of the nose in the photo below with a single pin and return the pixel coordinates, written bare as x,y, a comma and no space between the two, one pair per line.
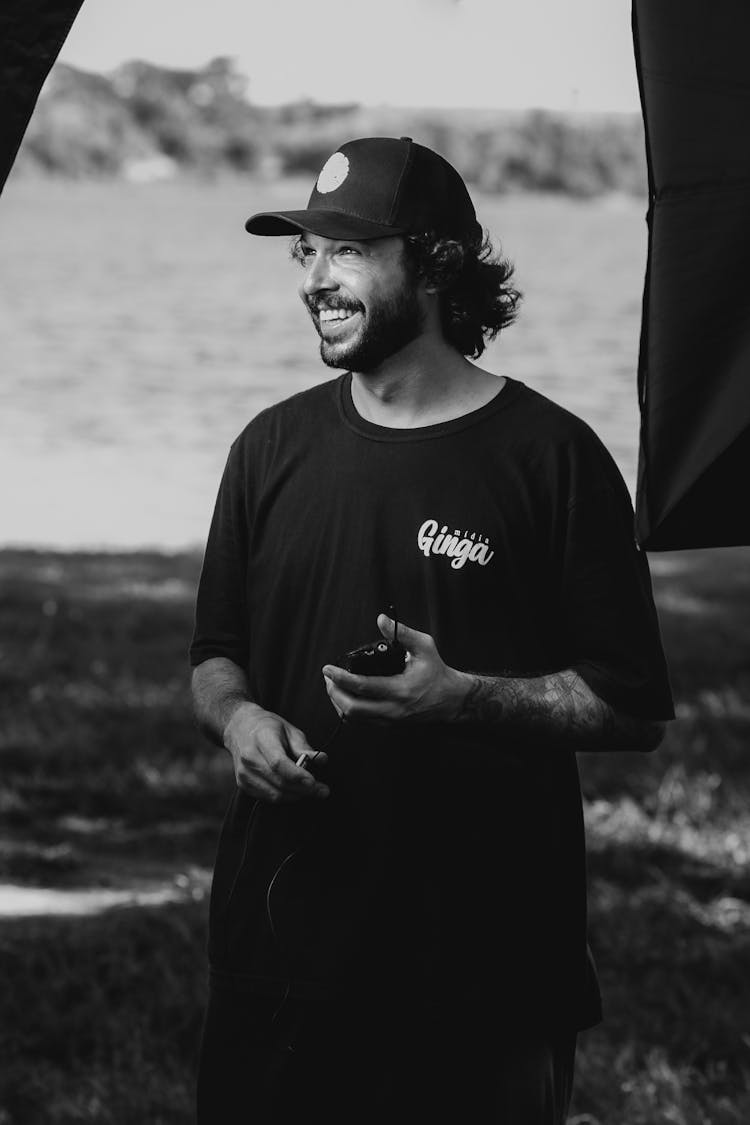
318,276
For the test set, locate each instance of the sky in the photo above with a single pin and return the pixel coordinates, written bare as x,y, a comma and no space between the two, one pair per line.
558,54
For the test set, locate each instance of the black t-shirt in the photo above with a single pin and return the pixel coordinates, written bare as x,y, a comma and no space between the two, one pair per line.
447,856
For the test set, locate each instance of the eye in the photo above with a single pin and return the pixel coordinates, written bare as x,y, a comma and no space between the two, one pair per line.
348,251
302,253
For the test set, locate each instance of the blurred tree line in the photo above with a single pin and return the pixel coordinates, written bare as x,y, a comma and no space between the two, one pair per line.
146,121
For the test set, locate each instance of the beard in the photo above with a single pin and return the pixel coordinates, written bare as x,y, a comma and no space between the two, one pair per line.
386,328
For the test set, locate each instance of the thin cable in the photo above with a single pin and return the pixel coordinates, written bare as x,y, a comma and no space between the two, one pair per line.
302,760
240,869
274,934
276,874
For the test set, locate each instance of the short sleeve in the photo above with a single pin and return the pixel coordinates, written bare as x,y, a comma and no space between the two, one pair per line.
220,612
610,622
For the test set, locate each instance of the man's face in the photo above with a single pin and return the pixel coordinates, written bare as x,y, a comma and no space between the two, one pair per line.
364,303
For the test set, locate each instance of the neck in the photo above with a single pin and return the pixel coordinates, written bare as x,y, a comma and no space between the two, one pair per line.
425,383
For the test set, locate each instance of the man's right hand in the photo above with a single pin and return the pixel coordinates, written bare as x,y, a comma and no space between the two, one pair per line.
265,749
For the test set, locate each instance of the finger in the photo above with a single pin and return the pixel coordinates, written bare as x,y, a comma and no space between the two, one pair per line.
360,687
411,639
331,689
280,769
255,785
352,709
302,752
315,758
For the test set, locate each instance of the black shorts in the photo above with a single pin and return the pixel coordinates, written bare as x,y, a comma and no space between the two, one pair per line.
361,1063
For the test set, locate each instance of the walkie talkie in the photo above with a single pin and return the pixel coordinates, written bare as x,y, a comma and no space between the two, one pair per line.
378,658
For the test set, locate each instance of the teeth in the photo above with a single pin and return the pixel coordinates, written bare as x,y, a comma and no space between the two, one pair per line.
334,314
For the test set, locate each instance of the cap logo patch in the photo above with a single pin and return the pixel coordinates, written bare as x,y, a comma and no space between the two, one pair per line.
334,172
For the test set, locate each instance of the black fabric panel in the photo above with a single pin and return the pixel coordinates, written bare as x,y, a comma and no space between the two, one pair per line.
694,365
31,35
713,512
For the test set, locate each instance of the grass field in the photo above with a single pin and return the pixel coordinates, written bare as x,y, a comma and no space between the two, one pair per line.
111,804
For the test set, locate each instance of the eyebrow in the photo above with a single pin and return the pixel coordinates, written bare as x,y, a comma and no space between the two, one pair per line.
302,241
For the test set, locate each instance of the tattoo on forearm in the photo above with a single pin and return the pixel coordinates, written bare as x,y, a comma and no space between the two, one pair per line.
559,709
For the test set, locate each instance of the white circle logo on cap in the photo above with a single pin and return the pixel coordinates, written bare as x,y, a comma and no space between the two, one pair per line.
334,172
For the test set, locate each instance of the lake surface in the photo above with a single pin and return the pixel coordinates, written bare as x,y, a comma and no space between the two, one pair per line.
141,328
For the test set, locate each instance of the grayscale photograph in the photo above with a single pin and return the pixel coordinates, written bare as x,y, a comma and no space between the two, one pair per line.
374,563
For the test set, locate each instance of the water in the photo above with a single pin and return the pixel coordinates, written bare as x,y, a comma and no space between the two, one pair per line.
141,327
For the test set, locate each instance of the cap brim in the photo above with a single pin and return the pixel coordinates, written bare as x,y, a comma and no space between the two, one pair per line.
327,224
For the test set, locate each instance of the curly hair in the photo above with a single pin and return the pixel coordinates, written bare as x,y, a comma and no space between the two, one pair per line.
476,298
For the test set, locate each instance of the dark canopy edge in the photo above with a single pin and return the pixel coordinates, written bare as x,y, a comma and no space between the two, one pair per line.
31,35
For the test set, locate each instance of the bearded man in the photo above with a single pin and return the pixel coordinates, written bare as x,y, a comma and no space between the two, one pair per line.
398,913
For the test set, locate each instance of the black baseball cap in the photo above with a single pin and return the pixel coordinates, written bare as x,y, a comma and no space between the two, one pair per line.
375,187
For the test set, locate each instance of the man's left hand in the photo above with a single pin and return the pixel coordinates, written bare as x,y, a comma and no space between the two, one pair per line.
427,690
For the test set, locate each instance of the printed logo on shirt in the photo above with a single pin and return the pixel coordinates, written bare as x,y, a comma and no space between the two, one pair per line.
458,546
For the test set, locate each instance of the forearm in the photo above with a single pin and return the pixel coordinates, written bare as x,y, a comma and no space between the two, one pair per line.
265,749
556,709
219,687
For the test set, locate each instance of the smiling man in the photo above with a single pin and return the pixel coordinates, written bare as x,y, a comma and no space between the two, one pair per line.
378,313
398,914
